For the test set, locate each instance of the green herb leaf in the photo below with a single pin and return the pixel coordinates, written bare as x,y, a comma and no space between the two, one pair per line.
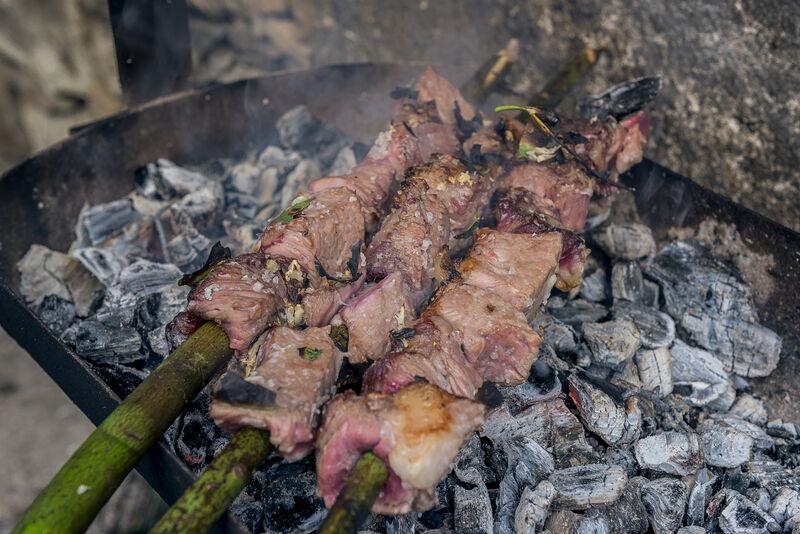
470,229
310,353
294,210
340,335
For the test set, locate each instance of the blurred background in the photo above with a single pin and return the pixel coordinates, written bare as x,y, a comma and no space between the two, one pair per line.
728,116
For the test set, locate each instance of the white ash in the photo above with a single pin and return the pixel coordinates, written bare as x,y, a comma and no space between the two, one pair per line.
785,508
674,453
595,286
533,508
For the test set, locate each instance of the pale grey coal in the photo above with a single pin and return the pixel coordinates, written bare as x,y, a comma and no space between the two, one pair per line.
637,414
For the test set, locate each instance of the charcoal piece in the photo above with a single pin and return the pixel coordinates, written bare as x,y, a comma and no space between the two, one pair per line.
165,180
712,304
516,479
620,100
655,370
104,264
563,522
736,479
785,508
612,342
626,375
627,282
779,429
740,383
760,497
100,343
747,349
665,501
103,221
694,529
468,465
750,409
157,309
473,509
628,515
120,378
761,440
533,508
244,207
594,521
651,294
582,486
724,446
739,515
402,524
46,272
526,450
343,163
289,496
256,181
143,277
624,458
56,313
674,453
771,475
600,414
629,241
595,286
249,511
531,391
656,329
304,173
701,370
203,207
439,515
576,312
300,131
189,251
195,434
561,337
699,497
274,157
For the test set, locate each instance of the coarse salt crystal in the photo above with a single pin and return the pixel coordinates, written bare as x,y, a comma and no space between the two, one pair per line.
426,243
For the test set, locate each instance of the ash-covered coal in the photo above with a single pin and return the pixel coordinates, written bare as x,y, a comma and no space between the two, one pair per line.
637,416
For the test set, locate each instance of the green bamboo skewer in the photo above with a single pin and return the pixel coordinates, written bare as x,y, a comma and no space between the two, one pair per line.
213,491
82,486
362,486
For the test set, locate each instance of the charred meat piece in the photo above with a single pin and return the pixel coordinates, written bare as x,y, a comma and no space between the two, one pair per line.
291,375
433,87
322,234
521,211
496,337
417,431
518,267
562,191
432,352
438,201
243,296
372,315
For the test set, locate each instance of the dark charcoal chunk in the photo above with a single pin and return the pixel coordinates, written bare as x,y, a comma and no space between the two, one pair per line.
595,286
56,313
771,475
665,501
656,329
655,370
163,180
104,264
290,499
300,131
738,515
711,302
402,524
196,435
143,277
621,99
615,424
100,222
120,378
724,446
473,509
100,343
249,511
628,514
516,479
233,389
562,338
576,312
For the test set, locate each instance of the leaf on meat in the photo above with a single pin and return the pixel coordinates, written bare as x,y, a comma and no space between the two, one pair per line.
310,353
297,207
340,335
217,255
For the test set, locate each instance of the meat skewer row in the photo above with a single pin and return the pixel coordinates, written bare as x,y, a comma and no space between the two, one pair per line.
218,472
457,347
202,348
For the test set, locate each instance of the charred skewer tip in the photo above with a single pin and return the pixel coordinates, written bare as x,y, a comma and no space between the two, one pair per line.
361,489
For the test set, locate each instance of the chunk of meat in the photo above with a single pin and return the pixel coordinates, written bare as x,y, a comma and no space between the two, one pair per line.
434,87
372,314
520,211
520,268
417,431
635,132
438,201
496,337
563,190
325,231
299,368
242,295
321,304
432,353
